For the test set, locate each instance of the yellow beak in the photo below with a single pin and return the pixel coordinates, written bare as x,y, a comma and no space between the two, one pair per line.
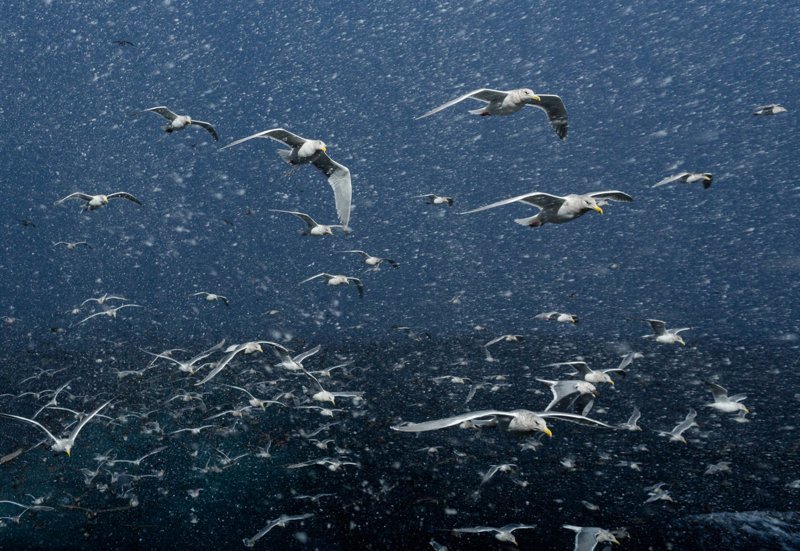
611,381
746,410
69,453
598,209
325,149
548,432
536,98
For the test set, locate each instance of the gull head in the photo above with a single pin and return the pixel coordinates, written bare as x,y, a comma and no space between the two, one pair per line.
529,94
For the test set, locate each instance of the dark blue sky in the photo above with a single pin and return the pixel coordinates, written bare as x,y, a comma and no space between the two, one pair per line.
651,90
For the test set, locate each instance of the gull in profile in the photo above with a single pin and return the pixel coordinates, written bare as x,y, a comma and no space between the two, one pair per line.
210,297
554,209
304,151
724,403
771,109
296,363
633,421
189,366
560,317
339,280
94,202
676,434
72,245
374,262
61,444
586,393
504,533
593,376
105,297
111,312
256,402
314,229
664,335
688,177
433,199
281,521
507,102
501,338
518,420
179,122
628,359
587,537
233,350
656,492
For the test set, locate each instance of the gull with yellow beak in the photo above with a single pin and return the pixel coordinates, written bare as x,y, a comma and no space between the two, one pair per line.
591,375
304,151
508,102
519,420
61,444
588,537
724,403
554,209
664,335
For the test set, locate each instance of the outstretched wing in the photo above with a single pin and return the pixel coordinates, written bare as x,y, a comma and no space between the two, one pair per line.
301,215
670,179
163,111
323,274
541,200
125,195
209,127
574,418
76,195
74,434
32,422
613,195
339,178
719,392
659,327
448,421
556,113
482,94
279,134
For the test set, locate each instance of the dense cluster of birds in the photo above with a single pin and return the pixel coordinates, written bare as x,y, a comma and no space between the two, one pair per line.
192,393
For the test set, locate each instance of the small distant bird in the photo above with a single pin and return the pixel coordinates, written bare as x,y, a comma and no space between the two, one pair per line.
587,538
771,109
557,316
281,521
724,403
433,199
179,122
676,434
111,312
212,297
593,376
94,202
71,246
504,533
507,102
25,223
554,209
374,261
664,335
585,391
656,492
339,280
314,229
124,43
304,151
689,177
633,421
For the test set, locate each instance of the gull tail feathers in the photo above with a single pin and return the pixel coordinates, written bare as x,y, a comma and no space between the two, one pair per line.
533,221
286,155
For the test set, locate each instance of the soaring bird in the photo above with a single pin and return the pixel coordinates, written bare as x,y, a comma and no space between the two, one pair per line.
771,109
94,202
688,177
179,122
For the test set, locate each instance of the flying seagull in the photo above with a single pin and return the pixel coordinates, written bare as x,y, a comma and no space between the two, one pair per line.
503,533
179,122
554,209
433,199
314,228
771,109
507,102
339,280
94,202
689,177
587,537
304,151
664,335
724,403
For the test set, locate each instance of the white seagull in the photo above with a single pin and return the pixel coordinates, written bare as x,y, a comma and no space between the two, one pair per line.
212,297
587,537
339,280
315,152
314,229
664,335
94,202
232,351
179,122
554,209
374,261
676,434
61,444
280,521
724,403
507,102
503,533
111,312
771,109
433,199
71,246
688,177
560,317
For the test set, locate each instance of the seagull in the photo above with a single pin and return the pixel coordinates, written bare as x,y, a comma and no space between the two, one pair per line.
633,421
61,444
232,351
688,177
589,374
557,316
179,122
281,521
105,297
296,363
189,366
554,209
501,338
71,246
675,435
519,420
664,335
657,493
374,261
507,102
314,229
771,109
586,393
433,199
256,402
503,533
94,202
212,297
315,152
339,280
628,359
111,312
724,403
587,538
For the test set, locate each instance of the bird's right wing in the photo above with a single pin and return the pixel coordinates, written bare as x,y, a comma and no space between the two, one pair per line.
301,215
556,113
574,418
76,195
323,274
339,179
163,111
278,134
659,327
482,94
670,179
74,434
125,195
447,421
541,200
